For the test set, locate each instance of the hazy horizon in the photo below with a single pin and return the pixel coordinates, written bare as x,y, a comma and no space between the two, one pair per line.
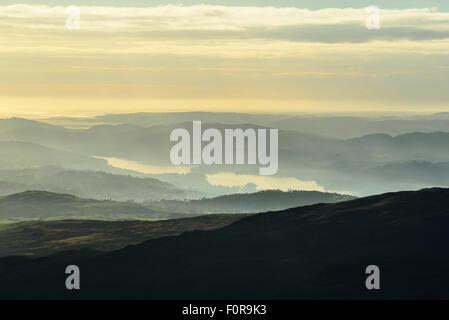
48,117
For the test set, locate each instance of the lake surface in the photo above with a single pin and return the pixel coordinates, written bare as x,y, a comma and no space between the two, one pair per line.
225,179
229,179
145,168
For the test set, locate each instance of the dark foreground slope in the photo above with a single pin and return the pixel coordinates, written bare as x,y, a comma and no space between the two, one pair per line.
39,238
319,251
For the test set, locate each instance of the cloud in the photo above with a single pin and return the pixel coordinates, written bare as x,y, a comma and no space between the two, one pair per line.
258,58
206,22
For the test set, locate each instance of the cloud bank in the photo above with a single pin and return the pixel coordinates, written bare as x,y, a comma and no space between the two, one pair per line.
206,22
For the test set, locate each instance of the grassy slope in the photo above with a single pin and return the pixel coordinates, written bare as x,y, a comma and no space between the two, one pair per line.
37,238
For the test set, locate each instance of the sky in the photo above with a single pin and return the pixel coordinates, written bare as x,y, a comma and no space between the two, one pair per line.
250,56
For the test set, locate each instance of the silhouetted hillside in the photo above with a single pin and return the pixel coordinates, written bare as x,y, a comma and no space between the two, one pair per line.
318,251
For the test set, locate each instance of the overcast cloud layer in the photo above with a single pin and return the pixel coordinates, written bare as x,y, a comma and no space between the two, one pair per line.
207,57
219,22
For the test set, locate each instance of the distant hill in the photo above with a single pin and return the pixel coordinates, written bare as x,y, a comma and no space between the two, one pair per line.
101,185
48,205
37,238
411,146
338,153
159,118
269,200
318,251
89,184
19,154
347,127
337,126
412,171
11,187
15,123
44,205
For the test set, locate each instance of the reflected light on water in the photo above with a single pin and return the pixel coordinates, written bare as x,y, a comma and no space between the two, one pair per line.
145,168
229,179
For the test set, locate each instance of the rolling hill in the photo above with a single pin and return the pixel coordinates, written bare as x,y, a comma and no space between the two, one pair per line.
341,126
20,154
48,205
342,165
318,251
89,184
15,123
268,200
101,185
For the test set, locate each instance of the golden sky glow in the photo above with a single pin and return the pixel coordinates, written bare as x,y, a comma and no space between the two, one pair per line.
216,58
